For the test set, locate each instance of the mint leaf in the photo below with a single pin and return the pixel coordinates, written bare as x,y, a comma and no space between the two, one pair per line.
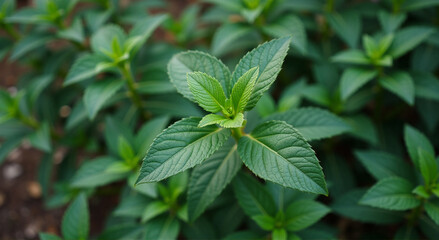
86,66
209,179
408,38
224,122
401,84
268,57
243,89
98,93
353,56
277,152
353,79
179,147
347,25
304,213
432,209
102,42
76,221
207,91
428,166
393,193
414,140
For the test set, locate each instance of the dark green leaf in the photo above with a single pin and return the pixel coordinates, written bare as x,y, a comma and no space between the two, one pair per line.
98,93
76,222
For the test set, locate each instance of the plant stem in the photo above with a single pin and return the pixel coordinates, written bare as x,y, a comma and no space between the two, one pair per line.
135,97
237,133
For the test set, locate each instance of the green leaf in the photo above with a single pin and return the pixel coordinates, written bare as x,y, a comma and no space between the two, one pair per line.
207,91
269,58
75,32
254,199
224,122
401,84
102,42
243,89
426,85
428,166
132,205
421,191
347,25
382,165
76,221
98,93
408,38
147,133
85,67
94,173
181,146
279,234
29,43
8,145
432,209
162,228
46,236
277,152
347,206
391,21
192,61
353,79
209,179
233,36
154,209
266,105
304,213
410,5
125,149
142,30
288,25
414,140
313,123
41,138
27,16
393,193
265,222
352,56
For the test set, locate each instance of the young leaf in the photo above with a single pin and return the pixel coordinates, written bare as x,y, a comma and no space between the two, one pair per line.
432,209
224,122
102,42
408,38
353,56
154,209
254,199
181,146
209,179
428,166
280,234
269,58
304,213
393,193
207,91
243,89
85,67
125,149
277,152
76,221
401,84
414,140
313,123
353,79
98,93
192,61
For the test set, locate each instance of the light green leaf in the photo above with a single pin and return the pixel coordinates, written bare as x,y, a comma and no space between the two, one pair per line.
421,191
41,138
224,122
254,199
408,38
209,179
347,25
125,149
102,41
414,140
352,56
313,123
98,93
428,166
181,146
243,89
76,220
269,58
353,79
393,193
94,173
265,222
85,67
211,119
432,209
192,61
154,209
288,25
280,234
304,213
162,228
207,91
277,152
401,84
382,165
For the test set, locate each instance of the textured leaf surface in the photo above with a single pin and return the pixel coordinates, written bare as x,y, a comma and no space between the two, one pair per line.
303,213
97,94
192,61
401,84
76,222
222,121
207,91
393,193
353,79
181,146
269,58
253,197
313,123
277,152
243,89
210,178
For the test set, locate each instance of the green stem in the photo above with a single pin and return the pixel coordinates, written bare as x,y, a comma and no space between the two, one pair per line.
237,133
135,97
